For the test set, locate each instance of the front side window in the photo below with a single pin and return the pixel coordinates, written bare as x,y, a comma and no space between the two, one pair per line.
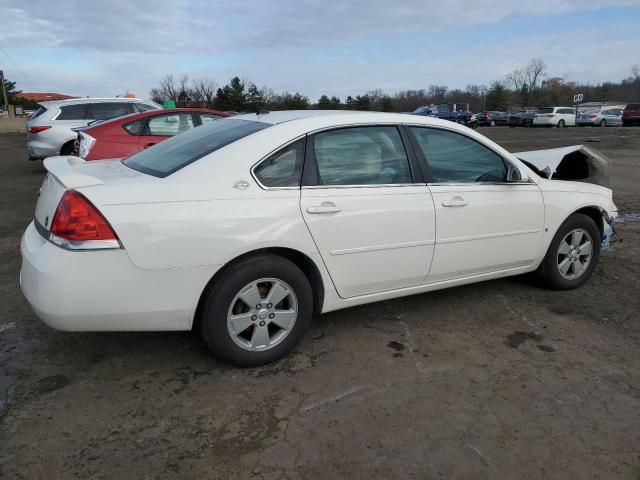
361,156
282,169
107,110
455,158
209,117
175,153
169,125
73,112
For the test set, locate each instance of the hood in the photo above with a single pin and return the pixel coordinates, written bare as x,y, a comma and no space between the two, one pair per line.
579,163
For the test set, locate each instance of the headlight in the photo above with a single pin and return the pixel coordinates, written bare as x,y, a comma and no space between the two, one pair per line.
86,144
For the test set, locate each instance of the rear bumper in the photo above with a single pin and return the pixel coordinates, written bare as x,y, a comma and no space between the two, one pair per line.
103,290
38,149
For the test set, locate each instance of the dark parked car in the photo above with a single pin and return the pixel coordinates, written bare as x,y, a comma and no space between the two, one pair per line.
492,118
444,112
631,115
523,118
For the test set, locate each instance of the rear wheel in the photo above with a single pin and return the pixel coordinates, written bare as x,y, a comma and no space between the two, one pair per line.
573,253
603,123
67,148
561,124
257,312
493,123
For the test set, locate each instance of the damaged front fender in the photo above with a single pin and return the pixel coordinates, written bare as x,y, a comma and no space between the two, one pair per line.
580,163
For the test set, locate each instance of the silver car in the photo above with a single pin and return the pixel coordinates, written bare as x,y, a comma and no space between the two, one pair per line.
49,129
603,118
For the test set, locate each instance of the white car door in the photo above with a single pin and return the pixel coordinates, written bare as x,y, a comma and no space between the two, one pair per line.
484,224
368,209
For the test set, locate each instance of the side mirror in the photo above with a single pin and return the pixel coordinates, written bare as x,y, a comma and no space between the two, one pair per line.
515,175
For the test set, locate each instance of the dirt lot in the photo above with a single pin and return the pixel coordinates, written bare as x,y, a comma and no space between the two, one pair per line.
496,380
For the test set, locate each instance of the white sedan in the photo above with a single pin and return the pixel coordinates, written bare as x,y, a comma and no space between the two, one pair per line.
245,228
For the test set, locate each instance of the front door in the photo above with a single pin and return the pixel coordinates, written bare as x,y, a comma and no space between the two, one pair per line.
484,224
374,226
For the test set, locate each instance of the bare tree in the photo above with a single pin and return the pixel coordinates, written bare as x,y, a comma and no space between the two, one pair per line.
203,91
517,78
635,71
535,70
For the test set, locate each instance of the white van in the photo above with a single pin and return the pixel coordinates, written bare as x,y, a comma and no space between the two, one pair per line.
555,117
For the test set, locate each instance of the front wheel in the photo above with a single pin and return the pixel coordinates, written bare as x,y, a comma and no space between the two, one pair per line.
257,312
573,253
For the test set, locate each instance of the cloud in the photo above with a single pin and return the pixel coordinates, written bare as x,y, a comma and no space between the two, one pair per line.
173,26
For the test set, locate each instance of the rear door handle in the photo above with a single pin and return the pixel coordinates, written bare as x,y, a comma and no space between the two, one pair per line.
149,145
325,207
455,202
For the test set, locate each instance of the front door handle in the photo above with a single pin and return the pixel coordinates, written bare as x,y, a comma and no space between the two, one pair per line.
325,207
455,202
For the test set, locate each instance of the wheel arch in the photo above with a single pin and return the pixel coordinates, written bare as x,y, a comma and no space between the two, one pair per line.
593,212
301,260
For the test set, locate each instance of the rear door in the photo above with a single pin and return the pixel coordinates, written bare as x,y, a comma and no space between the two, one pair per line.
367,208
163,126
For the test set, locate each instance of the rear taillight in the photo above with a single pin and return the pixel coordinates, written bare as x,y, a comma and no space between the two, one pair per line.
38,129
593,116
77,224
86,143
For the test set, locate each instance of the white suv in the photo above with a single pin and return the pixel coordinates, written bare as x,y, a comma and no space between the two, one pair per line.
49,129
555,117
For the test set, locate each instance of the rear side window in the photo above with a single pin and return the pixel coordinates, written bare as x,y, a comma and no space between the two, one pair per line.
361,156
545,110
175,153
38,112
633,106
73,112
136,128
455,158
282,169
107,110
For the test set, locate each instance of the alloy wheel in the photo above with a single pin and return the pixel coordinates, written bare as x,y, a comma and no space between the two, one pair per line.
262,314
574,254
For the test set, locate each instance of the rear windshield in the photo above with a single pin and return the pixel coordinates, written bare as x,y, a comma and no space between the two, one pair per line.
545,110
175,153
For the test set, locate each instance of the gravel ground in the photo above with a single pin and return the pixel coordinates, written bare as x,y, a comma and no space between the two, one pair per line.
501,379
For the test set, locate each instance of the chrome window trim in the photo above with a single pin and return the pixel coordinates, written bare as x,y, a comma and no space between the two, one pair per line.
370,185
265,157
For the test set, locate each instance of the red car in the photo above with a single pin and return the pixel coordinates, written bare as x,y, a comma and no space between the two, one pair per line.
124,136
631,115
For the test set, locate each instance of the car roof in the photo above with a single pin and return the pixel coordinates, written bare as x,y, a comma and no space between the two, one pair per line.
132,117
73,101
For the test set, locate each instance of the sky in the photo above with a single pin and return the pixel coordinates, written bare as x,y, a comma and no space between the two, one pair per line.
99,48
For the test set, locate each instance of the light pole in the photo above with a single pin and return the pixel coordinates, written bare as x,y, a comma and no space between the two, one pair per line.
5,107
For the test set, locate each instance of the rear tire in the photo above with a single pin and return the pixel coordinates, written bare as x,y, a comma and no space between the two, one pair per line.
561,124
245,335
566,266
603,123
67,148
493,123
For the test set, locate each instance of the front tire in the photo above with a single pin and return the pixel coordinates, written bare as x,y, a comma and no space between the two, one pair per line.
257,311
573,253
493,123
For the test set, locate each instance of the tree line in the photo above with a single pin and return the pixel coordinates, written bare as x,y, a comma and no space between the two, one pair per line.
528,86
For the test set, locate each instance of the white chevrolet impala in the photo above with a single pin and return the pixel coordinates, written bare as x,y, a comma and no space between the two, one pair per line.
245,228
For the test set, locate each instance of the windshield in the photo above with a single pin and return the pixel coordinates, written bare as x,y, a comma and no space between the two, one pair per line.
175,153
421,110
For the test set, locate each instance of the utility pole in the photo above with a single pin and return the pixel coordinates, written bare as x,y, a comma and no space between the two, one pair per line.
5,107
